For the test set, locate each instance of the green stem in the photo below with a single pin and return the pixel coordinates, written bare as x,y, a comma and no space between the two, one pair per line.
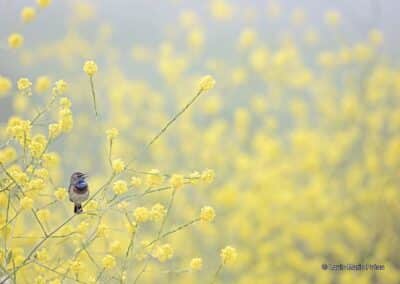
174,118
217,273
93,95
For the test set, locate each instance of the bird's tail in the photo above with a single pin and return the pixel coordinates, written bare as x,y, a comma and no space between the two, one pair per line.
78,208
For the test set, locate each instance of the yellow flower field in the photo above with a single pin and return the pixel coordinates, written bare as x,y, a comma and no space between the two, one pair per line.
223,141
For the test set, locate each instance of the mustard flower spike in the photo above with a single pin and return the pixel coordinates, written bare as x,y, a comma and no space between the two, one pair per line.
196,264
43,3
118,165
109,261
26,203
112,133
142,214
5,85
207,214
24,85
61,193
90,67
176,181
120,187
228,255
60,87
15,40
207,83
28,14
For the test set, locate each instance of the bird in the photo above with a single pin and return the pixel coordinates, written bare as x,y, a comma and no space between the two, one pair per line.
78,191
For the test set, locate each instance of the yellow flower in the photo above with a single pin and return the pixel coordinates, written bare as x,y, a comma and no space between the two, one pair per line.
90,67
42,173
116,248
188,18
158,212
24,85
43,3
239,76
258,58
136,182
176,181
61,193
118,165
332,18
123,205
247,38
195,38
60,87
7,155
207,176
207,83
142,214
207,214
26,203
91,205
43,214
42,84
38,145
77,266
54,130
228,255
15,40
154,178
39,280
196,263
65,102
66,121
375,36
112,133
164,252
109,261
5,85
34,186
221,10
120,187
102,230
82,227
50,160
28,14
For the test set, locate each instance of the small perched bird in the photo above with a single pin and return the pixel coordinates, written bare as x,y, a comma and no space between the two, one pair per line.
78,191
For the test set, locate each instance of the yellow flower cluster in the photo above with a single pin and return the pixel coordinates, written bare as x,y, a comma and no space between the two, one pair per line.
112,133
120,187
196,263
207,214
207,83
228,255
5,85
109,262
118,166
28,14
177,181
163,252
15,40
90,67
142,214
